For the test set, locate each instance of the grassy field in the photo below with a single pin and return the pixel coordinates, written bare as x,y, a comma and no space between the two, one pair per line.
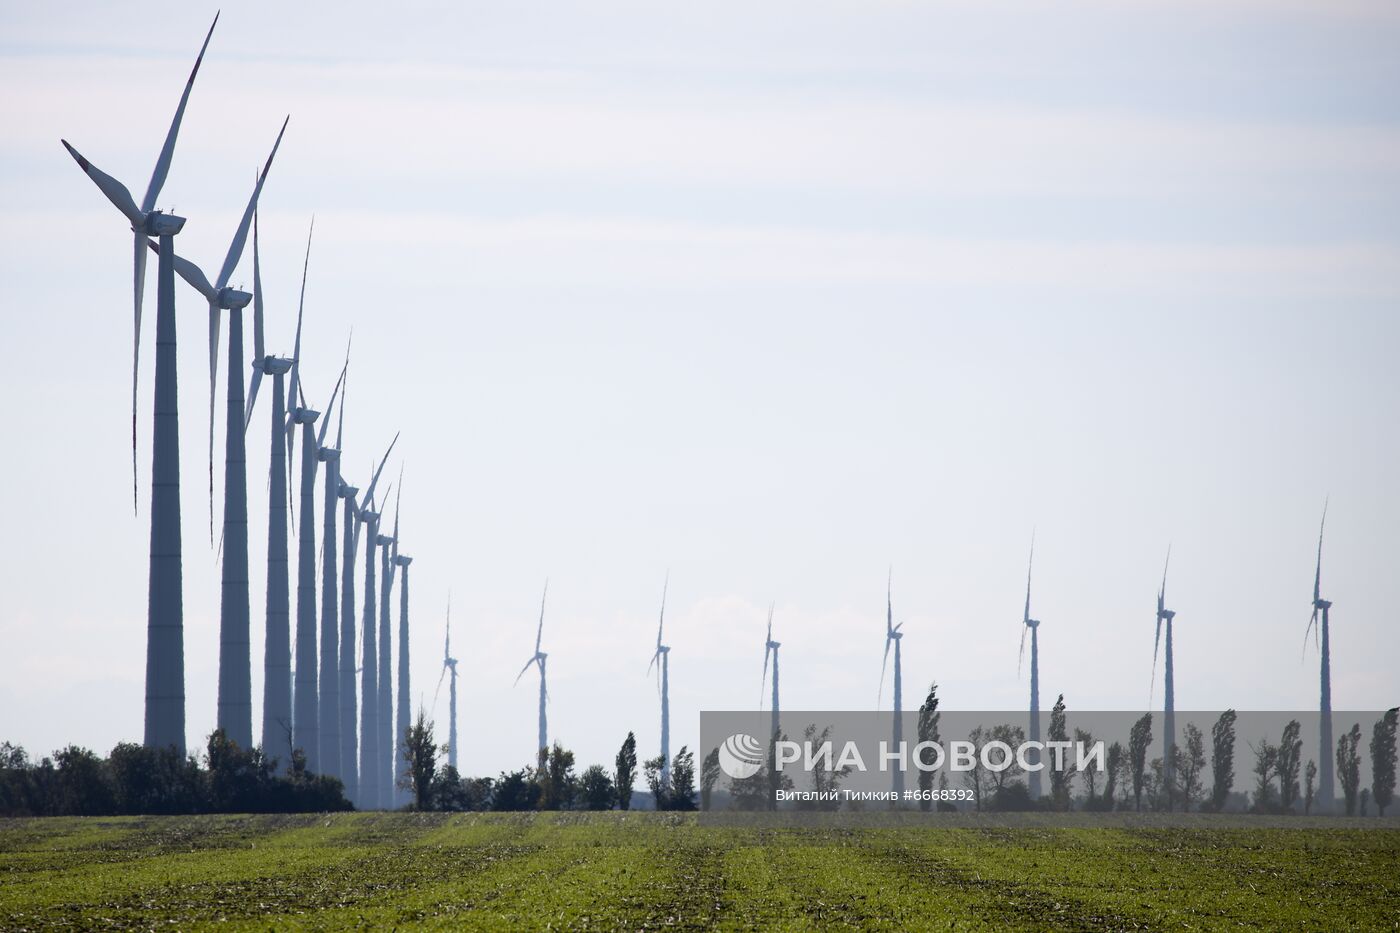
645,870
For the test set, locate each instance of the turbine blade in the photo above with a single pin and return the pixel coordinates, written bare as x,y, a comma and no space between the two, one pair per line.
340,422
1020,658
1164,575
1152,683
168,150
889,601
213,380
1317,578
253,384
235,249
523,670
139,283
763,681
398,498
1030,565
115,191
883,664
369,495
296,351
539,632
662,622
326,419
258,348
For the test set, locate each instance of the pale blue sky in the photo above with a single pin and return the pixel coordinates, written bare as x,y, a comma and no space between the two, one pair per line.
771,295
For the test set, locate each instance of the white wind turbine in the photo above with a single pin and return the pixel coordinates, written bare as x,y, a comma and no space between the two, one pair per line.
1033,626
893,635
165,638
661,659
145,221
770,647
449,667
540,657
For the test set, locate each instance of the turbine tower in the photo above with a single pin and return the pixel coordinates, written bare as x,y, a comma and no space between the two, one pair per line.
277,646
661,659
401,722
328,709
235,690
1326,795
385,697
349,744
539,657
306,711
770,647
165,638
367,517
449,667
349,761
1032,625
1168,679
893,636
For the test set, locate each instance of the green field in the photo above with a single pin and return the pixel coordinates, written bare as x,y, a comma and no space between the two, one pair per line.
645,870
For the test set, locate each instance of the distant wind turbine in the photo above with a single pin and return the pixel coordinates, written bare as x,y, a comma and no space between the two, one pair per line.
770,647
349,745
661,658
449,669
539,657
1032,625
401,722
328,711
893,635
1326,795
1168,677
385,696
165,629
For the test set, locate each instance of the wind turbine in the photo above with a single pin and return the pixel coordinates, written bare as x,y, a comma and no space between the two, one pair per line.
401,723
145,221
661,659
1326,796
539,657
349,760
277,648
328,711
1032,625
770,647
385,697
1168,677
235,704
369,674
165,637
893,636
449,666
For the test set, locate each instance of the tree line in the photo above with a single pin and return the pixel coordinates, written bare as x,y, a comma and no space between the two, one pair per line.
552,783
134,779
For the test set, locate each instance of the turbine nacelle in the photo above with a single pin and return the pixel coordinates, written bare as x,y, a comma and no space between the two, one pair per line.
1322,604
327,454
1166,615
1032,623
232,299
347,492
401,560
273,366
156,223
383,540
304,415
